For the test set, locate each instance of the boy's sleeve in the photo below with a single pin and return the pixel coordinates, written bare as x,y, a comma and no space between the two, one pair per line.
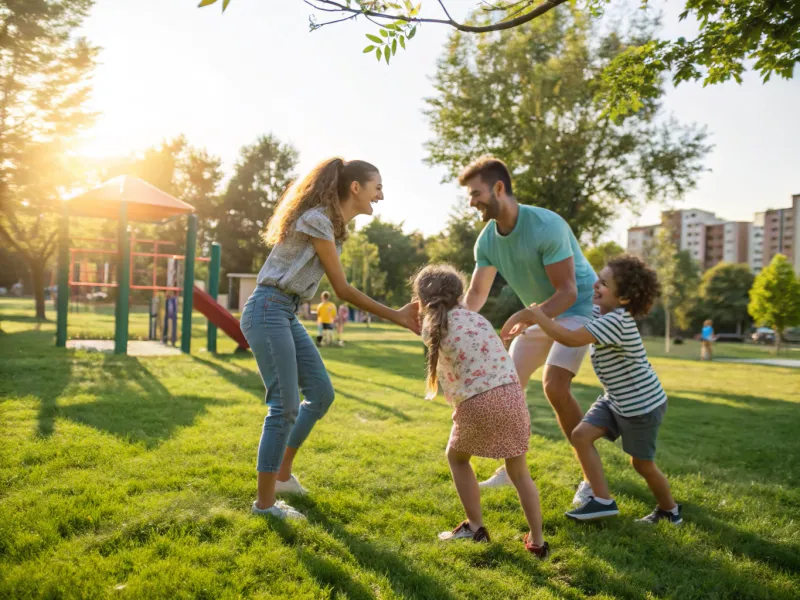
556,245
607,330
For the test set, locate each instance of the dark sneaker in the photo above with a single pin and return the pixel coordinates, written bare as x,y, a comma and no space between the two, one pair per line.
663,515
540,552
593,510
464,532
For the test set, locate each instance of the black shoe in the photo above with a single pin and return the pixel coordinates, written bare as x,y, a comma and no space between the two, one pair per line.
593,510
663,515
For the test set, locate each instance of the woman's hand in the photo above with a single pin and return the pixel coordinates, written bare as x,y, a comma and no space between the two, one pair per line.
408,317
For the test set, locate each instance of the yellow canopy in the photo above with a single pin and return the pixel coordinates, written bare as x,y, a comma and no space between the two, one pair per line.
145,202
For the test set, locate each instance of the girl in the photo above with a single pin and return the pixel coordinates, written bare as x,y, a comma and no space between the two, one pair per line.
634,402
490,418
706,339
341,319
306,235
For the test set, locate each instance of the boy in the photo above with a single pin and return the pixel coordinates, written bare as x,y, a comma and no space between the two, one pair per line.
326,315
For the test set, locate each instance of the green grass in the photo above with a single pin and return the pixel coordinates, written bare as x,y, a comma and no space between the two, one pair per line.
125,477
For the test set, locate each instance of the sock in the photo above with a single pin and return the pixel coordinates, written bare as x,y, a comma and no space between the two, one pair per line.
673,510
604,501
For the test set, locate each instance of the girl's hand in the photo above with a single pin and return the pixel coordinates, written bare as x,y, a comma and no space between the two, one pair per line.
517,323
408,317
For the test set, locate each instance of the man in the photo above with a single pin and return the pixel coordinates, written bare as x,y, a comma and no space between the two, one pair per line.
537,253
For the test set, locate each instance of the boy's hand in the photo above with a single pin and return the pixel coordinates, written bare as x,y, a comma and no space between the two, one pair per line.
516,324
537,313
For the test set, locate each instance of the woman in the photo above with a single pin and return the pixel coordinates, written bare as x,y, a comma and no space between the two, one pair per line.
306,232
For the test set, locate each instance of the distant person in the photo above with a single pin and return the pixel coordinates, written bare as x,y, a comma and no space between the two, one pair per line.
634,402
341,318
326,317
306,233
490,417
170,319
707,338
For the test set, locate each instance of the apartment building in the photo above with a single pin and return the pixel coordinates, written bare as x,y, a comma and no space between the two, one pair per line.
640,238
726,242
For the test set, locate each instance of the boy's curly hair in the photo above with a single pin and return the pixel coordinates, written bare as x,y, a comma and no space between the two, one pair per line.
636,282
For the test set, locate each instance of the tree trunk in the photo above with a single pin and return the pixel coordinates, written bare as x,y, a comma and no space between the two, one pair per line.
777,339
668,327
37,280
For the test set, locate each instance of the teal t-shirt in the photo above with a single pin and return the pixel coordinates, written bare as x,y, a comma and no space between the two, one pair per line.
540,238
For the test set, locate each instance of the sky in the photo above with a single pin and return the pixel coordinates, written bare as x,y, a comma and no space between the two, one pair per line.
169,68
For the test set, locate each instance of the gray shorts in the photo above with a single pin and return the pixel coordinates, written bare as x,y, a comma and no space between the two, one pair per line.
638,433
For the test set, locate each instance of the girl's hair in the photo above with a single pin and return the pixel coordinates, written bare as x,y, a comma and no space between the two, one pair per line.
437,288
326,185
636,282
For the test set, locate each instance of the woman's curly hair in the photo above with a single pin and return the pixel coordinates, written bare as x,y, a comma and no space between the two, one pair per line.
636,282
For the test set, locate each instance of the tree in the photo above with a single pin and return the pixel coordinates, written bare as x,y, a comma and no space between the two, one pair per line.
263,172
731,33
400,256
598,256
529,96
662,258
361,263
44,85
775,297
455,245
724,295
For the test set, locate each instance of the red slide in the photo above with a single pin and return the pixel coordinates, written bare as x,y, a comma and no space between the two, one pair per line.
218,315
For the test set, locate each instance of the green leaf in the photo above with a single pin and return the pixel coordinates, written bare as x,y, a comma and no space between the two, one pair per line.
394,47
369,49
378,53
225,4
403,42
206,3
387,54
413,32
384,33
374,38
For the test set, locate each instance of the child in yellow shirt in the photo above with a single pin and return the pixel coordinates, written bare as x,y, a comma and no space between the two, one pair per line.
326,315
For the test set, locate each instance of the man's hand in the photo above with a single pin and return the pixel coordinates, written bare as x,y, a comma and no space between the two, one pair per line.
517,323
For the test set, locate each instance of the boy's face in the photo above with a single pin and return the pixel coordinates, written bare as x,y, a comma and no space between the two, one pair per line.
605,292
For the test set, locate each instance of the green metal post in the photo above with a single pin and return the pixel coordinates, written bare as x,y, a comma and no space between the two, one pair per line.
123,283
213,290
188,285
62,298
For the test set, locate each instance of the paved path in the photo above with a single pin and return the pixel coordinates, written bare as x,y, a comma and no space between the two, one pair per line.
772,362
135,347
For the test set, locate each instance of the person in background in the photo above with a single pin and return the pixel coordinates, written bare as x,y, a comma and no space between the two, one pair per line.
170,316
326,316
706,339
341,318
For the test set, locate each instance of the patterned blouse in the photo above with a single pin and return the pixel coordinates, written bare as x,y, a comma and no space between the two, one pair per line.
472,359
293,265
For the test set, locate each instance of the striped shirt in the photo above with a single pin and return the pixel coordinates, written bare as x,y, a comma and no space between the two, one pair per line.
620,361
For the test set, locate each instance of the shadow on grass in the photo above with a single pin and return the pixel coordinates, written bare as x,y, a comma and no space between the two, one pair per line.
406,582
34,351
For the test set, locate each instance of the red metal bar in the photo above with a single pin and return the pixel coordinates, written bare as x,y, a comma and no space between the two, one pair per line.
163,288
91,284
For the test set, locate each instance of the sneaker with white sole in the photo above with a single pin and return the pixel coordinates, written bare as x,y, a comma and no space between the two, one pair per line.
280,510
583,494
593,510
463,532
499,479
663,515
290,486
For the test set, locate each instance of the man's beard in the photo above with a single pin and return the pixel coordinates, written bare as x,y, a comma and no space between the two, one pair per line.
491,209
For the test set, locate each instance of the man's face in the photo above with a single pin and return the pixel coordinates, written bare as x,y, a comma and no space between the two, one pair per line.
482,198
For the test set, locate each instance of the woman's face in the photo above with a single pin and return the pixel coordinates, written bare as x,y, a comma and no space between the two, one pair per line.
365,195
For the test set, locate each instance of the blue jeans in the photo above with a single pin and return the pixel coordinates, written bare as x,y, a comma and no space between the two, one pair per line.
286,359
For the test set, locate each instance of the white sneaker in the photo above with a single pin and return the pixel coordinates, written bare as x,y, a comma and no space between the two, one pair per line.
290,486
280,509
583,495
499,479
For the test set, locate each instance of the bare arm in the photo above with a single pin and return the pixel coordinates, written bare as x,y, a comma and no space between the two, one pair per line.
408,316
479,287
566,337
562,276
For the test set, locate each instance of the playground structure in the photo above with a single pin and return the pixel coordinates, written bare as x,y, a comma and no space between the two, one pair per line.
131,199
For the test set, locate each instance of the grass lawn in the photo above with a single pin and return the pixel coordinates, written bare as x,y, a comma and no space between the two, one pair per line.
124,477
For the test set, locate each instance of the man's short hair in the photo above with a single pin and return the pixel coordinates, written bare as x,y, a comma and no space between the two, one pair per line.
490,170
